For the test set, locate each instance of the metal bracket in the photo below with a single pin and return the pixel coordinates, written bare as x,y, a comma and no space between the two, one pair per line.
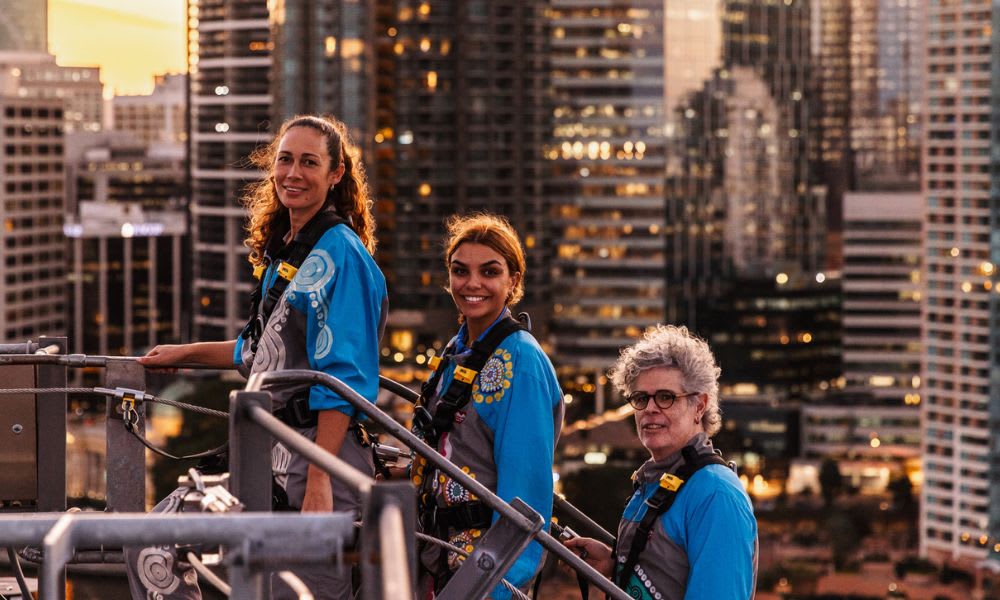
249,452
493,556
402,496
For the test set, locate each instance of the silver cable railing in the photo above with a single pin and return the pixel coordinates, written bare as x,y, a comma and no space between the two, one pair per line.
518,524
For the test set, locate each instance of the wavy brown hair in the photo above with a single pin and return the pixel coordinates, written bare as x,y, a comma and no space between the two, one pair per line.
350,197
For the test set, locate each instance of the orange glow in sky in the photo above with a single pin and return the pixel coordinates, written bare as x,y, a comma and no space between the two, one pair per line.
131,40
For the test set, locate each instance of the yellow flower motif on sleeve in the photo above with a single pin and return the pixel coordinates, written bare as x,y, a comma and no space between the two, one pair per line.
494,380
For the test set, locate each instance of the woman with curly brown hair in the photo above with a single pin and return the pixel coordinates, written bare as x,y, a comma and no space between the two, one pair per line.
320,304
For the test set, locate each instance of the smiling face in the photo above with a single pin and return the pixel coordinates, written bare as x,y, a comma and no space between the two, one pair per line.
302,172
480,283
664,432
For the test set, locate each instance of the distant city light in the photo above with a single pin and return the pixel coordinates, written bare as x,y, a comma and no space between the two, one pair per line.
781,278
595,458
222,127
820,277
222,90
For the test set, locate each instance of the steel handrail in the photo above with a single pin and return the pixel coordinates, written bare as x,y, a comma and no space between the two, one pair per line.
335,466
559,500
91,360
257,382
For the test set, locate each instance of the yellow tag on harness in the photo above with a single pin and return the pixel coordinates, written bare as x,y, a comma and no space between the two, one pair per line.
670,482
465,375
434,362
258,272
287,271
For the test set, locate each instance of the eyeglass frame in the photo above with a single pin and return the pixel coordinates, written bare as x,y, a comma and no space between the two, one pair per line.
646,398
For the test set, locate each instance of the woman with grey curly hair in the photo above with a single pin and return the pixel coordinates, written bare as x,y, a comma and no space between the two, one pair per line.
688,530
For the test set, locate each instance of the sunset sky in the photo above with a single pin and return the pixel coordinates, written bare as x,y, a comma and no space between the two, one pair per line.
131,40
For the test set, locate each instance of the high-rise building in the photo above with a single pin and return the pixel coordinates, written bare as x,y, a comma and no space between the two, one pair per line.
887,82
959,400
869,58
32,198
157,117
323,56
36,75
230,114
883,254
125,286
681,164
465,132
24,26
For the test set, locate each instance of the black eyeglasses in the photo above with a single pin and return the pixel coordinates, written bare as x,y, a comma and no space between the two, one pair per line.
664,399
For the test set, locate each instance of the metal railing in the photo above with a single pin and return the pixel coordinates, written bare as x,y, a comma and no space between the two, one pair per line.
256,543
517,526
388,524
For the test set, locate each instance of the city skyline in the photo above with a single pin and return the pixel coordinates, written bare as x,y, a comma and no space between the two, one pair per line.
130,40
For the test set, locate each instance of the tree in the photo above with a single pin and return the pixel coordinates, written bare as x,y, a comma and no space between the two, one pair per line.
830,480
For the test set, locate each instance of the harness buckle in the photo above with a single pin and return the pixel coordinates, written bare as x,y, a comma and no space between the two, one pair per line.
434,362
671,482
258,271
286,271
465,375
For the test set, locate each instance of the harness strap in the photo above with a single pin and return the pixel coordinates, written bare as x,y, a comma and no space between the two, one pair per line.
289,258
659,503
460,389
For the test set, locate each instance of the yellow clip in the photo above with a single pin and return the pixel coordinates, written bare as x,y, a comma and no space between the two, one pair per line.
434,362
258,272
465,375
670,482
287,271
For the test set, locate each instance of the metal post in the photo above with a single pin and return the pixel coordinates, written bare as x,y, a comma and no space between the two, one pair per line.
126,456
249,451
244,581
388,548
493,556
58,545
50,416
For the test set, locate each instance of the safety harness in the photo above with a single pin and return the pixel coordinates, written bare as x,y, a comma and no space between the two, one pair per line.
288,257
465,515
657,504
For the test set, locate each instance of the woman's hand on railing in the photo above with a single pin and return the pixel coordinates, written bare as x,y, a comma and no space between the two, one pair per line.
163,357
593,552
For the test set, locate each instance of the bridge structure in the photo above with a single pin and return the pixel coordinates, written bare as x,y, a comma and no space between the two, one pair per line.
252,542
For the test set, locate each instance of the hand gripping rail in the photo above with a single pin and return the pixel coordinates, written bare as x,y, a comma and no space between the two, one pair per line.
484,568
589,525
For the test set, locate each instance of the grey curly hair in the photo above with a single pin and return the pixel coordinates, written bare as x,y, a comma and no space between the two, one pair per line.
672,346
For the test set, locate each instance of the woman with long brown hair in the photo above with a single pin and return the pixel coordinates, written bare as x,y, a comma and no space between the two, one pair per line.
320,304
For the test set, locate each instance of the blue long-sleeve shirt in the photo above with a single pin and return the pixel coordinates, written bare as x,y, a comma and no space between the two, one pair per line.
505,438
704,547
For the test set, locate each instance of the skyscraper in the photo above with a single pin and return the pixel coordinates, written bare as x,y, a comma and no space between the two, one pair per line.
465,132
32,197
230,111
959,337
24,26
681,164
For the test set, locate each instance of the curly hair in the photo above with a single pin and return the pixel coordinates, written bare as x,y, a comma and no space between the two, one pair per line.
495,232
350,197
674,347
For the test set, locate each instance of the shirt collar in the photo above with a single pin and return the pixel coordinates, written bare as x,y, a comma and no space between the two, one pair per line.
461,346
